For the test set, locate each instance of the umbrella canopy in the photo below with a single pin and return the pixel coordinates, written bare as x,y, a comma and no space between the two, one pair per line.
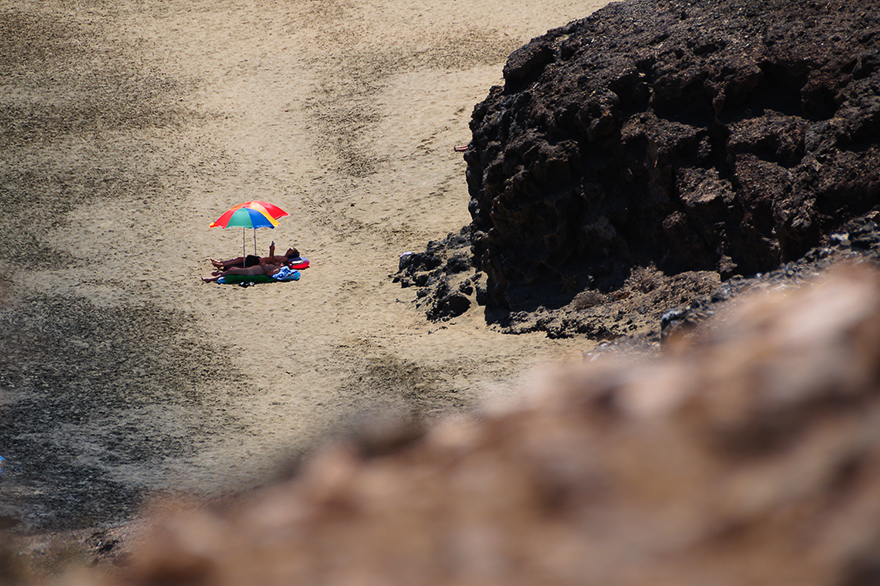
251,214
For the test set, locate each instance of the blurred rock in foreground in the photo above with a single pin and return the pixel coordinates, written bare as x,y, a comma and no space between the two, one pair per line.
748,454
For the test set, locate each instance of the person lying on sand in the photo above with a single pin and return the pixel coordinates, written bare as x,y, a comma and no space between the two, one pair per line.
251,260
277,271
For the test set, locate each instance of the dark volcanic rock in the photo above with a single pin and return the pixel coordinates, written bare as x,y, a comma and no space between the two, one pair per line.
719,136
444,275
689,136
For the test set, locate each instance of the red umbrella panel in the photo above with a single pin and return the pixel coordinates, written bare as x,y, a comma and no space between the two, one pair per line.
251,214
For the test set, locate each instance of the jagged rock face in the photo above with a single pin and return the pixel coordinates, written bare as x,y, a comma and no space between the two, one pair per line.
721,136
443,276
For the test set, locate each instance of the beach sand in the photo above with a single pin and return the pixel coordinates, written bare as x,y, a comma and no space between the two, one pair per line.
128,128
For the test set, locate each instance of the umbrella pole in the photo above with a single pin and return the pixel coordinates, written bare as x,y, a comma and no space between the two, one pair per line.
255,242
243,254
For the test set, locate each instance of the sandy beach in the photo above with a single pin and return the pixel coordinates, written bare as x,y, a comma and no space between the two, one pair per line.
128,128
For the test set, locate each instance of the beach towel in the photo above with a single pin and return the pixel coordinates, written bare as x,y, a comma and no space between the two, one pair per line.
284,273
252,279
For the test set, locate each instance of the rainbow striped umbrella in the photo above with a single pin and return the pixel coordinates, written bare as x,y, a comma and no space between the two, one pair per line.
251,214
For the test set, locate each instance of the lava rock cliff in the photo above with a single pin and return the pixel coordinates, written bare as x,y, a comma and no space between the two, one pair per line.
721,137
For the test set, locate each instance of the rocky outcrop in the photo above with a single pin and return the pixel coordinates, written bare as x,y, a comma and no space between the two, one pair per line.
749,454
444,276
684,136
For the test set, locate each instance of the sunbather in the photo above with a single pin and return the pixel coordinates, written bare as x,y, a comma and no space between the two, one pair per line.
277,271
251,260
